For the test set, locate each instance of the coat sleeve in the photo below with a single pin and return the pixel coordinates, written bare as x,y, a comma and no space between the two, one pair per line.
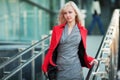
89,60
46,61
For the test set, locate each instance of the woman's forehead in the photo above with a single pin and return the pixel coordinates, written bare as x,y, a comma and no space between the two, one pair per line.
68,7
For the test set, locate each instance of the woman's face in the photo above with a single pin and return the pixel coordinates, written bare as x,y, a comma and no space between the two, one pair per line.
69,14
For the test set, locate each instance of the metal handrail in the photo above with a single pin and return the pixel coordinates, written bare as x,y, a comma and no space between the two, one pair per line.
23,65
90,71
12,72
23,52
102,45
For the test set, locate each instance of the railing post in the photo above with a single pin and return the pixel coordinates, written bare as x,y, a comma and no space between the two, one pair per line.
4,68
20,72
33,62
20,59
43,55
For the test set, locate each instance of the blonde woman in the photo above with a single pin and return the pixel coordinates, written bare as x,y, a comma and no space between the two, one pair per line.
67,51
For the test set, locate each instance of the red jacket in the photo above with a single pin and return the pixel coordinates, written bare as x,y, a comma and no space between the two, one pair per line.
56,35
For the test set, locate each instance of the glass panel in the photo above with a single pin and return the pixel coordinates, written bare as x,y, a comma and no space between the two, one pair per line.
35,22
20,20
9,20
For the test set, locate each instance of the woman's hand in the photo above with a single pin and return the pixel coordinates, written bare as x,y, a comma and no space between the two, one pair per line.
46,74
95,61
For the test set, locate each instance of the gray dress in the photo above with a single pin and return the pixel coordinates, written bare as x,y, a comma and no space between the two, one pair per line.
67,60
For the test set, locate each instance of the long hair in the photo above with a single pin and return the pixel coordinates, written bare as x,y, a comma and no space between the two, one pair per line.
61,18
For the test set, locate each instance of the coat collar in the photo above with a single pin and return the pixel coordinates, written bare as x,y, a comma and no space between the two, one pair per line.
83,32
63,25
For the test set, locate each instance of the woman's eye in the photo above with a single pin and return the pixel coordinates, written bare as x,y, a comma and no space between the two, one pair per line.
65,13
70,11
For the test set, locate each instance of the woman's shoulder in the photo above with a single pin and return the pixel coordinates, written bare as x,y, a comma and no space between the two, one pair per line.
81,26
59,26
55,27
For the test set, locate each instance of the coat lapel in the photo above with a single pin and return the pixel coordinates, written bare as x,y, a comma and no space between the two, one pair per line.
83,32
58,35
59,31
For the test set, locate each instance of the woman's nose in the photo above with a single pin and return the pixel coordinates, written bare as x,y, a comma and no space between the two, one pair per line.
68,14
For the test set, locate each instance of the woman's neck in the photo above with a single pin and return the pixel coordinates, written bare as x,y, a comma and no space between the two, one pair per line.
71,24
70,27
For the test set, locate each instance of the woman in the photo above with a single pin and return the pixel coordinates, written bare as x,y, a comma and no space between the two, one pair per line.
67,52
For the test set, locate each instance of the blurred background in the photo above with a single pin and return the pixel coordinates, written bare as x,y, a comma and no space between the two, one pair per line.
26,20
23,22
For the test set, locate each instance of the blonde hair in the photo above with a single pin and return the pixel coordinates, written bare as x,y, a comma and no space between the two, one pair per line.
61,18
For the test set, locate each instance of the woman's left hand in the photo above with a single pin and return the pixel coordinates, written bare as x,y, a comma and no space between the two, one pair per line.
95,61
